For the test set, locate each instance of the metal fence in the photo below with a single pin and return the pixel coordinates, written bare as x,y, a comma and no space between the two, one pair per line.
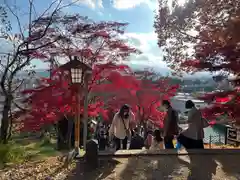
215,140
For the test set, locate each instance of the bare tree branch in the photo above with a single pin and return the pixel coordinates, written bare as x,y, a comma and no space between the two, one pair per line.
4,76
16,16
19,85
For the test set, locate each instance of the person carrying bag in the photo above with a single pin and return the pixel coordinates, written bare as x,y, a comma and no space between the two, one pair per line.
192,137
127,130
120,127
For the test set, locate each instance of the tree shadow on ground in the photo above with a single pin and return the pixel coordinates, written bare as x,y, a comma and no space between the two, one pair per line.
201,167
153,167
105,167
229,164
205,166
190,167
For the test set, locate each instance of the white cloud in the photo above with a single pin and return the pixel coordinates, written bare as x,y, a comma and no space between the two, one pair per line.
147,43
127,4
92,3
142,41
100,3
121,4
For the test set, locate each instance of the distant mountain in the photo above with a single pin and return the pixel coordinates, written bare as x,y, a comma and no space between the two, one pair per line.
164,71
161,70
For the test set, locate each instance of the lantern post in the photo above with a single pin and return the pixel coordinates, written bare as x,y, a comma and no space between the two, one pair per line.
77,71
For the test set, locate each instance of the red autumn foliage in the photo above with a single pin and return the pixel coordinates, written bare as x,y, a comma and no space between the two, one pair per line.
112,86
94,44
144,96
52,100
204,36
97,45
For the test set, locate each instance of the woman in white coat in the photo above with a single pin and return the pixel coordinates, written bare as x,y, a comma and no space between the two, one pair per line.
120,127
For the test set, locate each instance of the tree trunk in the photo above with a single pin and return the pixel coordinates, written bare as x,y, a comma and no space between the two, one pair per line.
69,133
10,128
5,121
62,128
85,116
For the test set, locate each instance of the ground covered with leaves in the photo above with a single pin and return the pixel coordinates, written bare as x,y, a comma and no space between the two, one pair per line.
195,167
30,159
50,168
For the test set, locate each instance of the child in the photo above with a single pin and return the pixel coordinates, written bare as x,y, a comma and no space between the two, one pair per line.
148,140
157,142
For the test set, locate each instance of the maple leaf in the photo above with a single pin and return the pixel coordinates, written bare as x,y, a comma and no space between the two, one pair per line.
144,96
204,46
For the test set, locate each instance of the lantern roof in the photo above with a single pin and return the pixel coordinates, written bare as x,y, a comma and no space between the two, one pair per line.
75,64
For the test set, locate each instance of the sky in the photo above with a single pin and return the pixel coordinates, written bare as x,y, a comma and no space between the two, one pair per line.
140,15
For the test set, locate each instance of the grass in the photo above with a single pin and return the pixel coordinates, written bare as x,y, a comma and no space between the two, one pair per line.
22,149
40,149
18,151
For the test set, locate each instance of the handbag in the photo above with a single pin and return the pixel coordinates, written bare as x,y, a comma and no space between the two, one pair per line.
205,123
128,132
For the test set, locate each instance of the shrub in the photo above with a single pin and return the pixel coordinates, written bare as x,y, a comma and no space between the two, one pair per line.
45,141
10,153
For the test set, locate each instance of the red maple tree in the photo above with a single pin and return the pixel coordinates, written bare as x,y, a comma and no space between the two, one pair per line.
99,46
93,44
143,94
203,36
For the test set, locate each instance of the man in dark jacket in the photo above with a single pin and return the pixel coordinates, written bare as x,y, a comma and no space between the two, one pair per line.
170,128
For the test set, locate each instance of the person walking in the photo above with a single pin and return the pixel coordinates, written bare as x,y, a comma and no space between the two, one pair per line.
170,124
120,127
192,137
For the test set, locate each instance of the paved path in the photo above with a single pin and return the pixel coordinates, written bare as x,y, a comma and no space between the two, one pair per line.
171,167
